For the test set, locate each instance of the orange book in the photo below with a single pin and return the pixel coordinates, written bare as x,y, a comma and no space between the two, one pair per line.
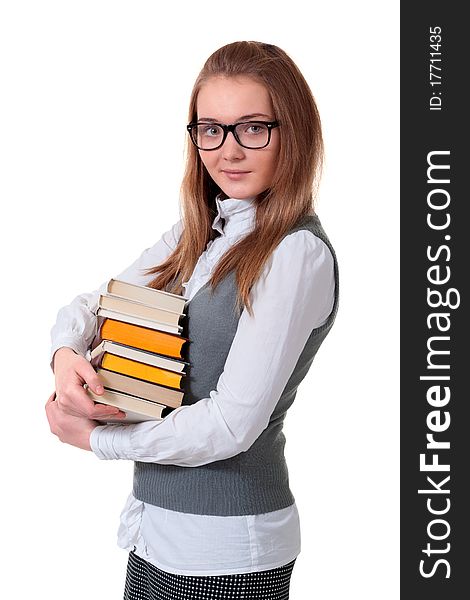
143,338
126,366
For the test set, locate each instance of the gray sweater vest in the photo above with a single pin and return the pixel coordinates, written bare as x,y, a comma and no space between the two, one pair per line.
252,482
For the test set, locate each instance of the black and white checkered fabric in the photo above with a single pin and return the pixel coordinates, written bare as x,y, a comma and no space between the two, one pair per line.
144,581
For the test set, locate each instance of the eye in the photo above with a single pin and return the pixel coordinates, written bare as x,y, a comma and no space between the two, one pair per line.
254,128
209,130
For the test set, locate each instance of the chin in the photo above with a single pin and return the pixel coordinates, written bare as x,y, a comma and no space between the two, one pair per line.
239,192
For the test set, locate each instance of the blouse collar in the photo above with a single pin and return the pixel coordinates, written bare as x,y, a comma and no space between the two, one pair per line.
238,215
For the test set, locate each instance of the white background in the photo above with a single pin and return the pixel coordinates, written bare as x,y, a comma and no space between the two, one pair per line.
92,128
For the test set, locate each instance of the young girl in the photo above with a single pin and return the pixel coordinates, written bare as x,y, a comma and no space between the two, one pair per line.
211,513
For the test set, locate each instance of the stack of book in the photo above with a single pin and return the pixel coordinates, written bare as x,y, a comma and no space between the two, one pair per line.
140,355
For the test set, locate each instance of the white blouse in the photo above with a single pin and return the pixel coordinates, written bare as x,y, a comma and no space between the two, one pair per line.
295,294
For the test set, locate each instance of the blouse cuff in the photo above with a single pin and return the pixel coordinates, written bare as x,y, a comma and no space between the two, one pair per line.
108,442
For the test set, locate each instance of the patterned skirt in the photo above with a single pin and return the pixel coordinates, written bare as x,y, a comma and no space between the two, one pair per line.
144,581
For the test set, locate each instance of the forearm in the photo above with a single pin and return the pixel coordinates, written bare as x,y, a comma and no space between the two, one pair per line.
189,436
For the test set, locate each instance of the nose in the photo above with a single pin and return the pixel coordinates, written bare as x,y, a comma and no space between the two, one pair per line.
231,150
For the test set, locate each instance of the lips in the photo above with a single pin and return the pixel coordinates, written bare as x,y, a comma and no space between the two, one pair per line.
235,174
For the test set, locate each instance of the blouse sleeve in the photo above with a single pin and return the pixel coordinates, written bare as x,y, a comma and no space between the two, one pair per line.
76,324
294,295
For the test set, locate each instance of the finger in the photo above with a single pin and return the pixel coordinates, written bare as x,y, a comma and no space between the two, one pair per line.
75,401
97,412
90,376
51,398
100,410
51,413
105,415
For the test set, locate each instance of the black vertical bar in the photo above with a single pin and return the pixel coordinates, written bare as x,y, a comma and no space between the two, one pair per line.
435,268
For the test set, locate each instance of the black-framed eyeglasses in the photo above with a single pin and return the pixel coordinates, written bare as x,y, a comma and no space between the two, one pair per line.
249,134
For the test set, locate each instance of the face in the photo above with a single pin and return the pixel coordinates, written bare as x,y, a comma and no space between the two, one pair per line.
239,172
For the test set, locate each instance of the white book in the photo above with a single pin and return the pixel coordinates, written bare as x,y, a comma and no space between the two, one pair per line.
117,316
146,295
148,358
136,409
139,310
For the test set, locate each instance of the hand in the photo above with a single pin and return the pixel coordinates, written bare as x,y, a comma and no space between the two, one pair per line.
69,429
72,371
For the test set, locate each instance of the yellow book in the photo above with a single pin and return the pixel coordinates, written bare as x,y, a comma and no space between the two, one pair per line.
139,370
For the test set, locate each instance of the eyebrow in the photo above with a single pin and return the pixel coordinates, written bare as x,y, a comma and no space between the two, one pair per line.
251,116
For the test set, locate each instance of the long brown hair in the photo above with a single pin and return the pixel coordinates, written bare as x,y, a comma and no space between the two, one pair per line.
291,194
